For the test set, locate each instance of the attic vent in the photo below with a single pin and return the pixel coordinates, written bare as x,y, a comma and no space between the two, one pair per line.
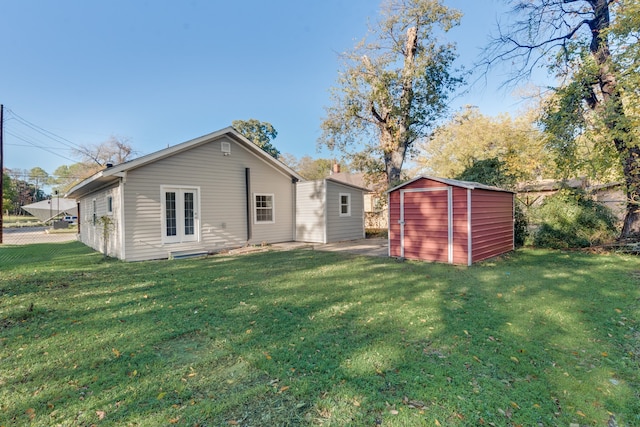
225,147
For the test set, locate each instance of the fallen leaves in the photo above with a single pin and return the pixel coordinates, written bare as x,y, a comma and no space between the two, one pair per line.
31,413
413,404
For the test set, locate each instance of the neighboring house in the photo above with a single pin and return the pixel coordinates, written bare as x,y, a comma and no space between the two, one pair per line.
212,193
611,195
375,208
329,211
446,220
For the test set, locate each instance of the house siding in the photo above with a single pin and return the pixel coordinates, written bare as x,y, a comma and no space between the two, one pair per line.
223,206
92,234
341,228
310,212
318,212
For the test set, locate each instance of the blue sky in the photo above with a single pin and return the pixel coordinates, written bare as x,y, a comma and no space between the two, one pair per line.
162,72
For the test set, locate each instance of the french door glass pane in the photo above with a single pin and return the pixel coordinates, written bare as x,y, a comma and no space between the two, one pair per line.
189,217
170,214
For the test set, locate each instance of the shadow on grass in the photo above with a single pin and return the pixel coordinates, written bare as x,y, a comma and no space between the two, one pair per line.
305,337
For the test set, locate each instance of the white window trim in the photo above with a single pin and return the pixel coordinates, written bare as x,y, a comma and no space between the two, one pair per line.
348,204
255,209
179,237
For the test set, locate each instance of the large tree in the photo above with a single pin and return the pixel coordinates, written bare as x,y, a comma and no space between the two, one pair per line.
591,101
394,85
114,150
39,177
260,133
93,158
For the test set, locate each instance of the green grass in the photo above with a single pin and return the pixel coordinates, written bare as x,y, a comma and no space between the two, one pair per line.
313,338
9,221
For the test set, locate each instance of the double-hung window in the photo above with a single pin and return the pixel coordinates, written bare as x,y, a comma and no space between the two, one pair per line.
264,209
180,207
345,204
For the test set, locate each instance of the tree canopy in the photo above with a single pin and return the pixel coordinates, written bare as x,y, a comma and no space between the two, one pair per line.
114,150
470,137
260,133
591,46
393,86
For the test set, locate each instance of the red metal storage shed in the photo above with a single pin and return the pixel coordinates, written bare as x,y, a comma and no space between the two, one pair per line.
446,220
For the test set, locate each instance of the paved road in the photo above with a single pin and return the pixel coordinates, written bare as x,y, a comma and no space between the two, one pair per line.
29,235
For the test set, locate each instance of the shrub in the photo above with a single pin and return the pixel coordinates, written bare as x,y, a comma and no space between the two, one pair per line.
520,225
570,219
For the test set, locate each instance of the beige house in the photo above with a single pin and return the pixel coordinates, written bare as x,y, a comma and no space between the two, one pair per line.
329,211
375,205
215,192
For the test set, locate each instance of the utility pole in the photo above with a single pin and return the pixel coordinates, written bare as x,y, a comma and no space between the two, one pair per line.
1,167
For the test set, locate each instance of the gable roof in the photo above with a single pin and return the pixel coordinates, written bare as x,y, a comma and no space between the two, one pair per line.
455,183
348,184
112,174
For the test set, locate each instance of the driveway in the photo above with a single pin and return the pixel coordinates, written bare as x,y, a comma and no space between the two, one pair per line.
29,235
370,247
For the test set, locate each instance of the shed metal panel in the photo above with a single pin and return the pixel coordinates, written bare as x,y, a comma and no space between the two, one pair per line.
451,221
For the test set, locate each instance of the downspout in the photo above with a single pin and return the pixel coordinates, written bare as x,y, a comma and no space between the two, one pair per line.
247,179
121,213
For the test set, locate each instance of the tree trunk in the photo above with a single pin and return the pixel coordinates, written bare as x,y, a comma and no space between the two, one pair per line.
393,164
616,122
631,168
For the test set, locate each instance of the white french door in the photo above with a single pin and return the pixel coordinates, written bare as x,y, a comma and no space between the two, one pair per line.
180,221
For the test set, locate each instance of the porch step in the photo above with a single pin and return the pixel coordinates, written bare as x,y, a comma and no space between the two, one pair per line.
187,254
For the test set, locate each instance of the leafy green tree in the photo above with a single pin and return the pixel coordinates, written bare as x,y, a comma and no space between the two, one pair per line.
38,177
470,137
570,219
314,168
590,44
394,86
494,172
260,133
66,176
491,171
8,194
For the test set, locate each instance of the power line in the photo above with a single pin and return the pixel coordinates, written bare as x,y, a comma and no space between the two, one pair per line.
40,147
45,132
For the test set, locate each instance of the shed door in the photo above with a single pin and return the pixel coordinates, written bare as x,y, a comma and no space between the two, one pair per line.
426,224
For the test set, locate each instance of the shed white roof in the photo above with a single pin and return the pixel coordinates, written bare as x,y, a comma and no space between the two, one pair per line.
453,182
48,209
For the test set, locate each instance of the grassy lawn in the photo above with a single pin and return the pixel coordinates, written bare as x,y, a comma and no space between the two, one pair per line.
20,221
538,338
